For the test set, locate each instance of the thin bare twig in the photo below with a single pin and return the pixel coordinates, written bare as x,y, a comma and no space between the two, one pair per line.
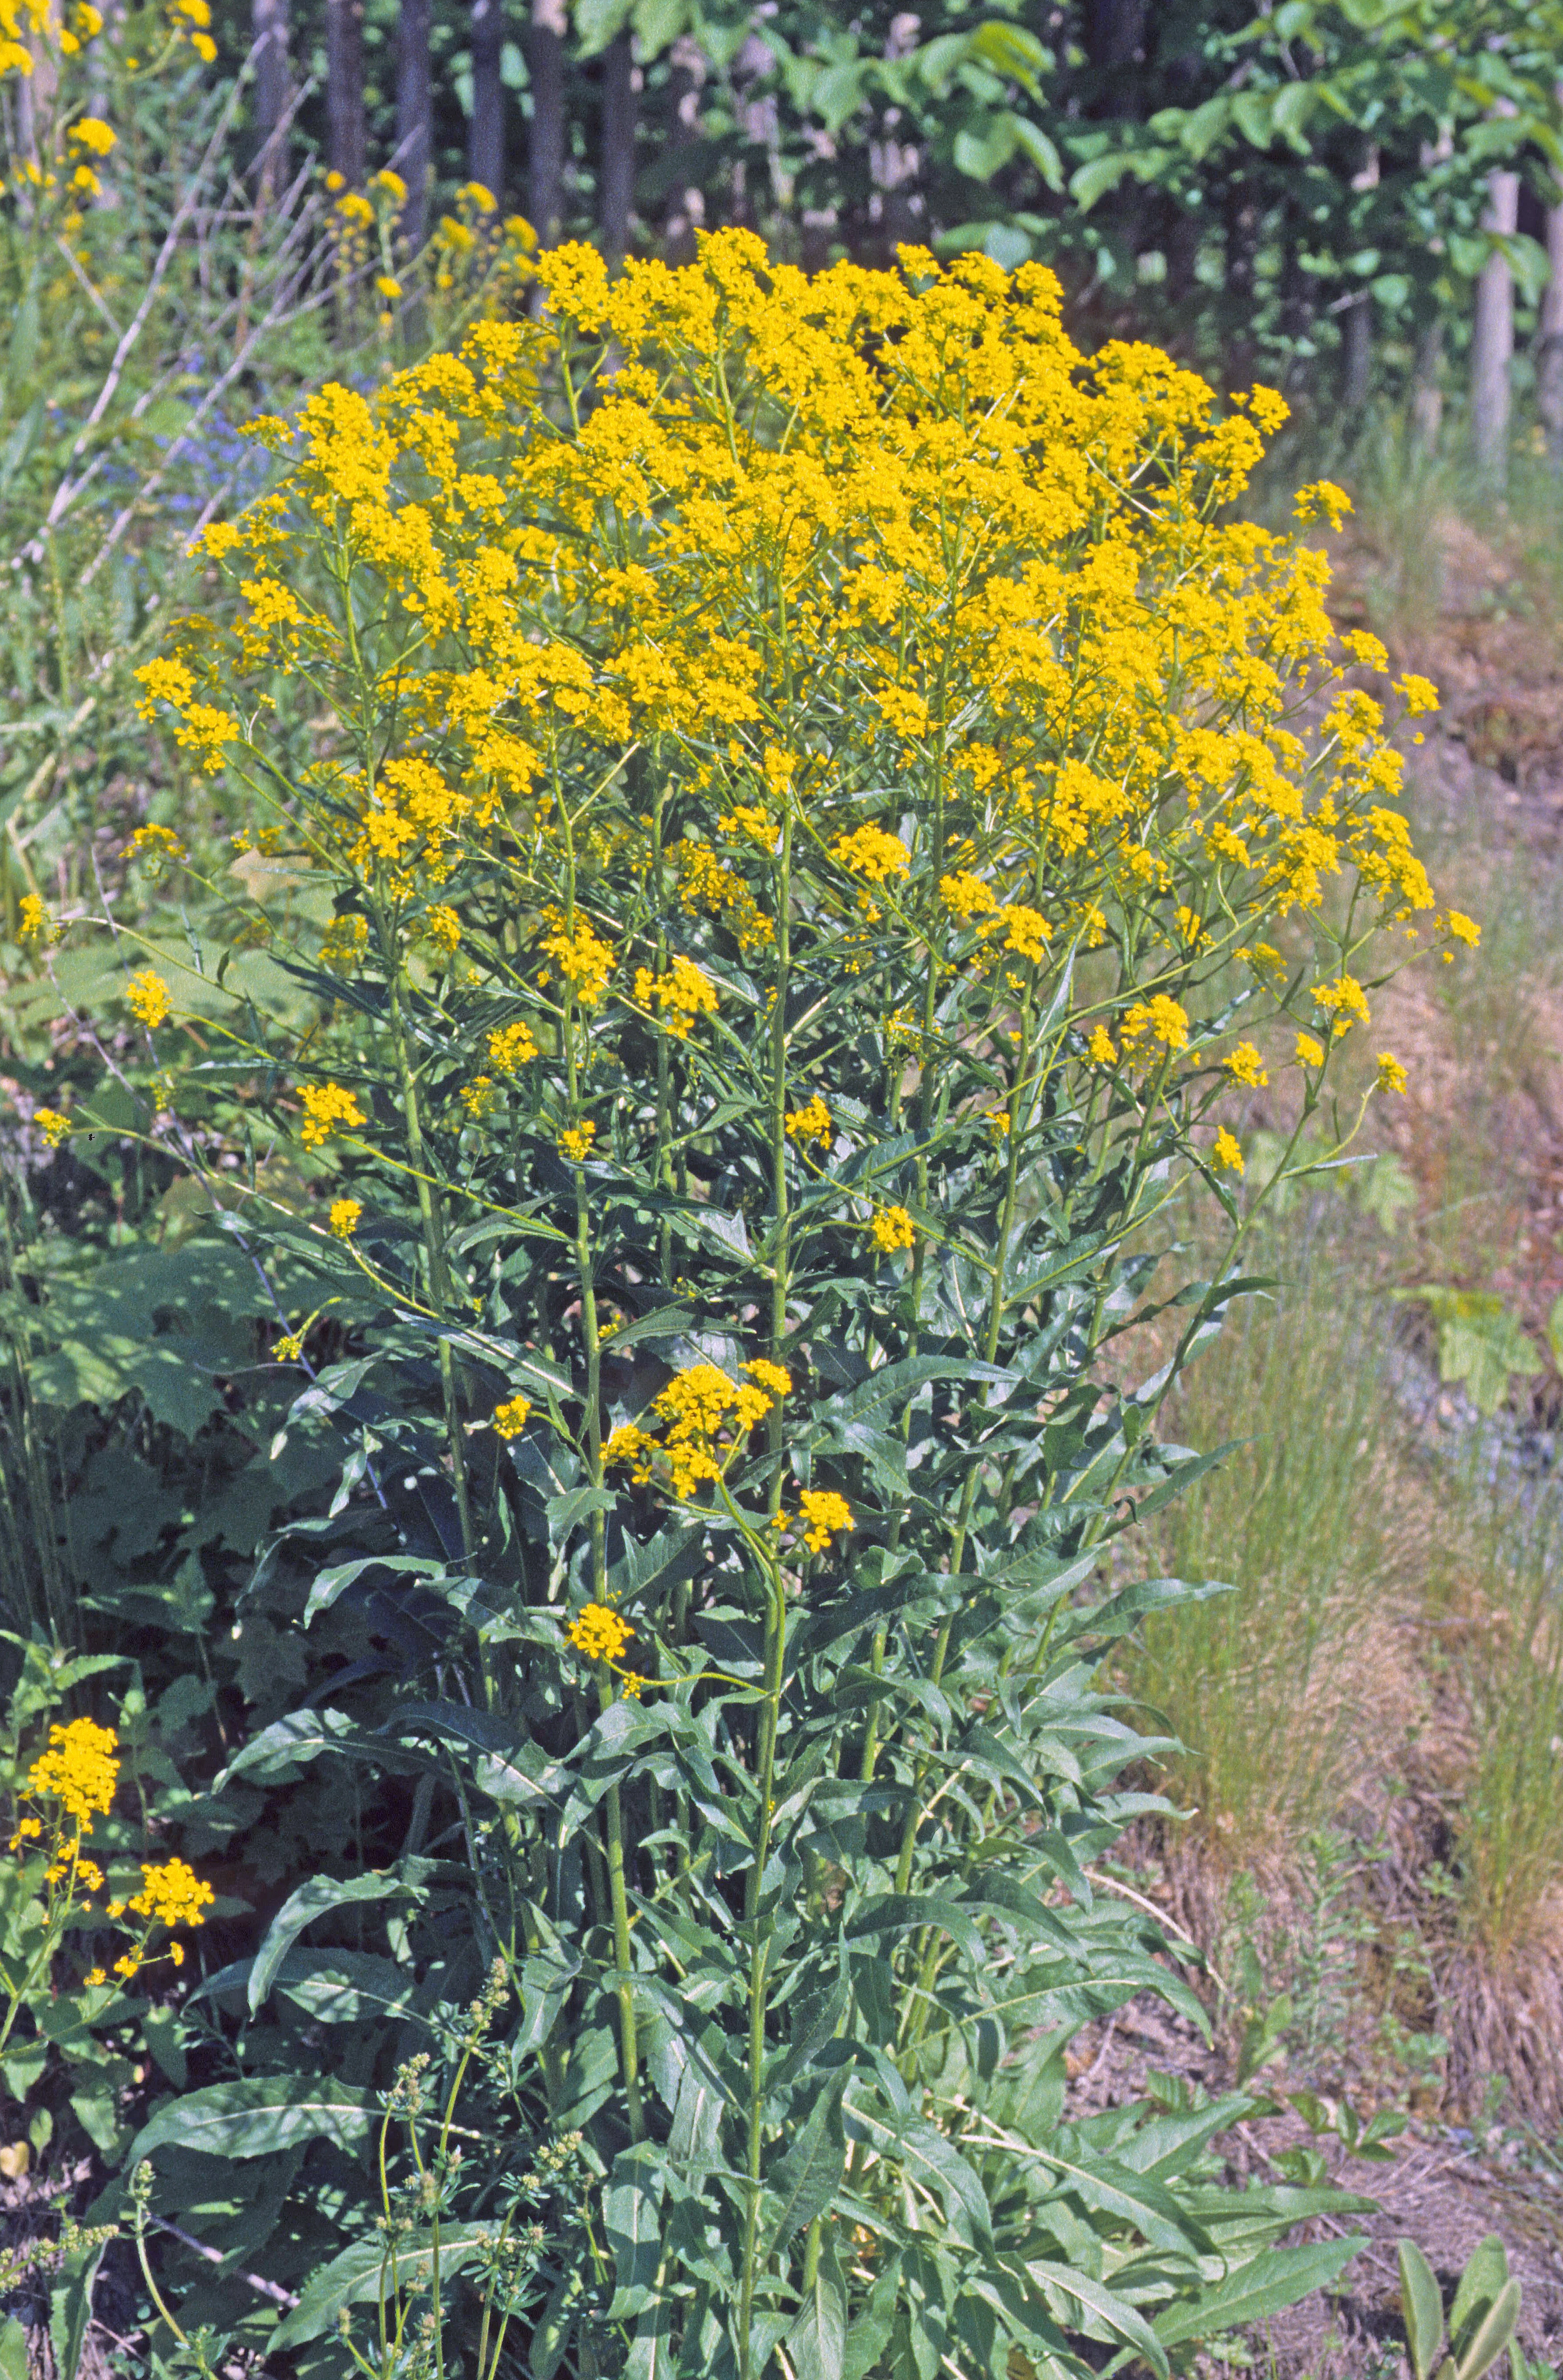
272,2290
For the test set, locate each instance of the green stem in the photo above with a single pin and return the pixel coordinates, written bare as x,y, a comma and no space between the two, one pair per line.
776,1611
432,1223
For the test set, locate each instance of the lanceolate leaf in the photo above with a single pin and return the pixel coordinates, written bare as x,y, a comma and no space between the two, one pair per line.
257,2119
359,2274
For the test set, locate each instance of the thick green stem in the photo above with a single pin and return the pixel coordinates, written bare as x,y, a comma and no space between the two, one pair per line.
433,1226
759,1954
775,1612
991,1348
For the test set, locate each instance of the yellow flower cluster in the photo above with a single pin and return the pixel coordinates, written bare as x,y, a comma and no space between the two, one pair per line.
148,997
171,1895
575,1140
704,1417
511,1047
510,1418
343,945
684,995
826,1515
346,1216
583,959
328,1109
892,1228
1245,1065
599,1633
811,1121
79,1770
870,852
157,846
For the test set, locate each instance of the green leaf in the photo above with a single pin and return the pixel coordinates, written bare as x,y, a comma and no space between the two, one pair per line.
1486,2274
1033,142
1420,2308
1490,2336
632,2210
256,2119
1115,2312
70,2311
1273,2281
810,2174
817,2340
356,2275
13,2354
1386,1191
1480,1342
314,1900
931,2160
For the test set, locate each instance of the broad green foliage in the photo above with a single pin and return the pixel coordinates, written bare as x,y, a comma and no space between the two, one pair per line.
1481,2320
795,772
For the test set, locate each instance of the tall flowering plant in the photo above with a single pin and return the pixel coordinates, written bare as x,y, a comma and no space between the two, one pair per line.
812,805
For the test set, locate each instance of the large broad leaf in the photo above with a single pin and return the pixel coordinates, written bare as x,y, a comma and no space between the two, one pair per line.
816,2341
359,2274
810,2174
631,2220
256,2119
1273,2281
931,2161
311,1900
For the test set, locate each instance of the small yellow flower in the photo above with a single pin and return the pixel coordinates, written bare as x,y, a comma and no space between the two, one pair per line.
511,1046
1464,929
811,1121
892,1228
1309,1051
1245,1065
575,1141
1226,1151
289,1347
158,846
1101,1048
1418,694
1345,1001
344,1218
1393,1076
599,1633
94,1977
510,1418
872,853
770,1375
1162,1019
33,922
148,997
172,1895
386,286
825,1513
480,1097
328,1109
93,134
1323,501
344,945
